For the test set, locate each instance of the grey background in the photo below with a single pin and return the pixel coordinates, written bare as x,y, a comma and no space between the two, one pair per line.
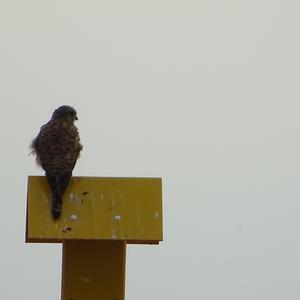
202,93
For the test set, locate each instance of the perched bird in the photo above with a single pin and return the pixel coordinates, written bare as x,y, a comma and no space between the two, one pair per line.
57,148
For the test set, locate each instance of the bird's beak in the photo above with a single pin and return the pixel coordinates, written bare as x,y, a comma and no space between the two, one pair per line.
76,118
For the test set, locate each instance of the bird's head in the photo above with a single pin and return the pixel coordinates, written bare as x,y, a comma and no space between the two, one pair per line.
65,113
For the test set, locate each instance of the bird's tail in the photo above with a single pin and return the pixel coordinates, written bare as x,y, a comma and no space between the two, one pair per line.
56,206
58,185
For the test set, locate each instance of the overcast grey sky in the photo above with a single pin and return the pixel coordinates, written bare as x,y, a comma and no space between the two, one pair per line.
202,93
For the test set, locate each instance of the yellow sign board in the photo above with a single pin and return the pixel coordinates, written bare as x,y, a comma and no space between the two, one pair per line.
124,209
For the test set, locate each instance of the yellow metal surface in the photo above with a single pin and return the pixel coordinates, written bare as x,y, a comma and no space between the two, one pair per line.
93,270
127,209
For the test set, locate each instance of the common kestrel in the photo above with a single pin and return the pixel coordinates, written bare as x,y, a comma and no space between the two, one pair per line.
57,148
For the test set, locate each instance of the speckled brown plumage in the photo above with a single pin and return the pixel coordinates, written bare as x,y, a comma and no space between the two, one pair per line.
57,148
